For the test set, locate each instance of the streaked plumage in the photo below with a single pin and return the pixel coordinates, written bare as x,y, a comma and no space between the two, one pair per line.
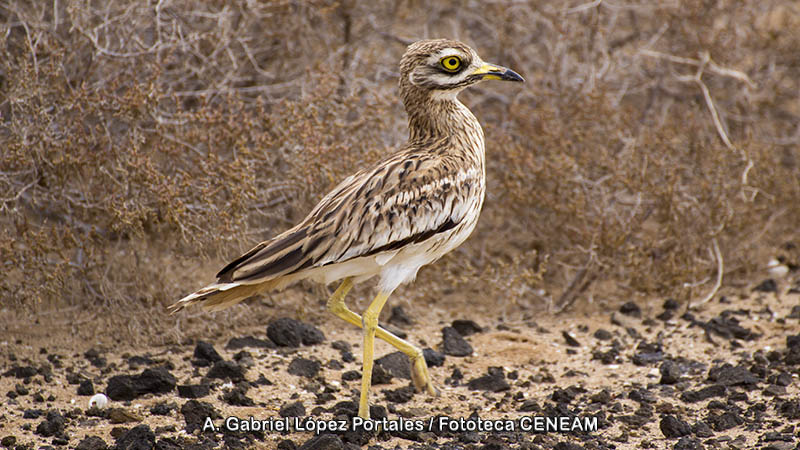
391,219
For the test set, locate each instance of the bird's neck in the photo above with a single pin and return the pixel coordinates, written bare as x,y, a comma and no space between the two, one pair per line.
440,115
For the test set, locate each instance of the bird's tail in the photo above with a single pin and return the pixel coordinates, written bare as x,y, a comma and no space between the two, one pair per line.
218,296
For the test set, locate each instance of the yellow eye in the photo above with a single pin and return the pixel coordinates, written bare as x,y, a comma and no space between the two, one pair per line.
450,63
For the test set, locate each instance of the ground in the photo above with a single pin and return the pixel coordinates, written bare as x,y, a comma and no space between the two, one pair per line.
719,375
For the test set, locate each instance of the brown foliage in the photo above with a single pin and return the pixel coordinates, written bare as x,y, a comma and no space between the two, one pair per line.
138,136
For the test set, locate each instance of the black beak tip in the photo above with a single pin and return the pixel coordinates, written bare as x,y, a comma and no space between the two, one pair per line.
510,75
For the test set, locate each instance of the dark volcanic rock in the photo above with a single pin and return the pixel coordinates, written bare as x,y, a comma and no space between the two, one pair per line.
195,413
295,409
716,390
288,332
193,390
239,343
226,370
162,409
647,353
150,381
670,372
311,335
702,430
20,372
571,341
304,367
324,441
724,421
602,335
205,354
400,395
380,375
53,425
287,444
728,327
466,327
728,375
630,309
238,396
687,443
673,428
399,317
86,388
396,364
92,443
351,375
137,438
432,357
768,285
494,381
453,343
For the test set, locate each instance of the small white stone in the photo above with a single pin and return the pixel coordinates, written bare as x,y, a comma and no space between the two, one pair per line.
777,269
99,400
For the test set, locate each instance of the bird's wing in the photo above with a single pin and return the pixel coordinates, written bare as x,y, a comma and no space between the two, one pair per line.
407,198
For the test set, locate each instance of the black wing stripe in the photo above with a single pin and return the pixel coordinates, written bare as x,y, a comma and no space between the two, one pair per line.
414,239
266,250
284,263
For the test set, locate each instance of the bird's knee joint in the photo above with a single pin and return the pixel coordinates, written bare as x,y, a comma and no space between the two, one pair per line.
335,307
369,321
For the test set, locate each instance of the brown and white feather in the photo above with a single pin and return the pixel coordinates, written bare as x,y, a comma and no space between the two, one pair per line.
404,212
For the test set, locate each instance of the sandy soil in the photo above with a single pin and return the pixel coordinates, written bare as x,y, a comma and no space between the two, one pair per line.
611,367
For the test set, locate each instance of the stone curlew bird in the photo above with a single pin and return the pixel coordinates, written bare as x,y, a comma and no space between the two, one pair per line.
390,219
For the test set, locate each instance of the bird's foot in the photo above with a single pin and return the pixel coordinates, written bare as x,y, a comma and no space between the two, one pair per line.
421,377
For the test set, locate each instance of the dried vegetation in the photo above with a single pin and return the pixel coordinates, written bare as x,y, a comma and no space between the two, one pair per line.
144,142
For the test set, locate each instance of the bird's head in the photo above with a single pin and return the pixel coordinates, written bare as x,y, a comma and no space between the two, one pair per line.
442,68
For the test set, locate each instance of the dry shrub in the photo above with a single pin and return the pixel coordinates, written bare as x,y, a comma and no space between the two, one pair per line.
141,138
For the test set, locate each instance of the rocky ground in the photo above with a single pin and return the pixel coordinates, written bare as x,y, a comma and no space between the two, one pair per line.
723,375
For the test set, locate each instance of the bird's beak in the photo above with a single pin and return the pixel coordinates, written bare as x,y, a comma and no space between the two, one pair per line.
495,72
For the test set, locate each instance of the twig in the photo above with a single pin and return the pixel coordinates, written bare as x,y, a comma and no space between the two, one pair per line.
712,66
584,7
19,194
697,78
579,283
718,284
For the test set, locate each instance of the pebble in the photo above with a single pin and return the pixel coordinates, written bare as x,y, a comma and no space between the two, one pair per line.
205,355
295,409
304,367
193,390
673,428
226,370
466,327
239,343
493,381
453,343
138,437
150,381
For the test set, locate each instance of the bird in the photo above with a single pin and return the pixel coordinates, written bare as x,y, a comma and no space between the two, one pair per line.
387,220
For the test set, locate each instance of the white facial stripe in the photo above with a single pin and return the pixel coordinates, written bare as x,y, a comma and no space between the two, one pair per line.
436,57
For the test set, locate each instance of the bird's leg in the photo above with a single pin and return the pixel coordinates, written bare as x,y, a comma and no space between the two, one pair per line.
419,369
369,322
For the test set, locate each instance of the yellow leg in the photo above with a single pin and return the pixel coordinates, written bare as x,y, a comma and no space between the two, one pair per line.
369,325
419,369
